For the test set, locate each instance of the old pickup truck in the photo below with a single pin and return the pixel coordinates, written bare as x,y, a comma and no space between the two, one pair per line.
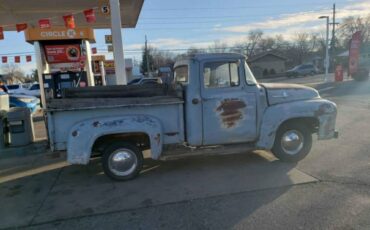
214,106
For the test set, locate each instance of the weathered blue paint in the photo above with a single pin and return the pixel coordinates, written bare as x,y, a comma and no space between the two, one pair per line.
323,110
171,117
243,114
84,134
229,113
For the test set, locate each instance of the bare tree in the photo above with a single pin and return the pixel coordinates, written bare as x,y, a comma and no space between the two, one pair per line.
304,45
193,50
351,25
218,47
13,71
250,45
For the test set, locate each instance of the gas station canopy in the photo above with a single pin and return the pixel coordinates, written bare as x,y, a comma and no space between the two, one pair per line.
27,11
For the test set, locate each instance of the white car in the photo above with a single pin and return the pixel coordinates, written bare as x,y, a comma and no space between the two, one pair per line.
16,89
33,90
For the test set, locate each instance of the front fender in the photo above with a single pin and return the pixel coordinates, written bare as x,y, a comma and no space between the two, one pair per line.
82,136
325,111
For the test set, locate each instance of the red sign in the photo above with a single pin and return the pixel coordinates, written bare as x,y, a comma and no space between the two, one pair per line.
90,16
354,52
17,59
44,23
69,21
28,58
1,33
63,53
4,59
94,50
21,27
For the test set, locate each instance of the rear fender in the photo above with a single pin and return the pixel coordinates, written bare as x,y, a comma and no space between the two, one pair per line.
83,134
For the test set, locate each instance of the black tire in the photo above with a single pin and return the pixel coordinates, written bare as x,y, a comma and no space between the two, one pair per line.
133,152
279,151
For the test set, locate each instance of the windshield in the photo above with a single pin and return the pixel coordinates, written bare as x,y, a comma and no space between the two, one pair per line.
249,77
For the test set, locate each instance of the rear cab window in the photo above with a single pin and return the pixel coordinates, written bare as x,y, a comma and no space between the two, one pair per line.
181,74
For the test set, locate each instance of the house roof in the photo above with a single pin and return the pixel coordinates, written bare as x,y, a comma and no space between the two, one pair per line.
264,54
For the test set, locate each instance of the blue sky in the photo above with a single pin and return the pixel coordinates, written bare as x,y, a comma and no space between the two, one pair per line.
175,24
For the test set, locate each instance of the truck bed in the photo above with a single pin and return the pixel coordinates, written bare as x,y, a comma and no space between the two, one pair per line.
80,105
115,97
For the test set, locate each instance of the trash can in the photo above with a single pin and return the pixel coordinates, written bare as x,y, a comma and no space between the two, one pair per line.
339,73
20,125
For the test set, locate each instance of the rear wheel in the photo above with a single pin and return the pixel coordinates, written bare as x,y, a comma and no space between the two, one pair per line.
293,142
122,161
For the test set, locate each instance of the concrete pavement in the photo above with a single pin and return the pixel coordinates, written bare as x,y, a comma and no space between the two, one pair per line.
329,189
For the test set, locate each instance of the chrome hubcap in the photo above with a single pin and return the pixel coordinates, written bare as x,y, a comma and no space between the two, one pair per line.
122,162
292,142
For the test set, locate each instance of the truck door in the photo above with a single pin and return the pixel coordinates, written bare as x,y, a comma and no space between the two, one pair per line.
228,103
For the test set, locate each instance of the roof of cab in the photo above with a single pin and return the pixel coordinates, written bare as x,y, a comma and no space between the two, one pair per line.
207,56
203,56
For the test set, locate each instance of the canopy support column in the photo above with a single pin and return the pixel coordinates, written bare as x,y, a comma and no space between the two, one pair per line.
40,70
119,60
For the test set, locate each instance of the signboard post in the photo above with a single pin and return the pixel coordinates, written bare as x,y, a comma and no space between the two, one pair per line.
354,52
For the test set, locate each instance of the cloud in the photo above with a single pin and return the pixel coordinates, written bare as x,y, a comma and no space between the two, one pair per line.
288,25
302,19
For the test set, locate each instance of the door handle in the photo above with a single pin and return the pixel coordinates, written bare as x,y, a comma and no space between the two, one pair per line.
195,101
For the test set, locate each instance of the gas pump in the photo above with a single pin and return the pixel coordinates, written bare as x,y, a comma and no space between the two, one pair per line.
99,70
63,58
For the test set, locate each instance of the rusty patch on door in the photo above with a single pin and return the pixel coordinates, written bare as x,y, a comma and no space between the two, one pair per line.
231,111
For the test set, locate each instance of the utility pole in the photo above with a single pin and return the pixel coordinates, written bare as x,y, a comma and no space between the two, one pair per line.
147,56
333,37
327,47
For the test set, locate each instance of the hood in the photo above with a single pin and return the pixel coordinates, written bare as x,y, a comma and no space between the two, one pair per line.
278,93
25,98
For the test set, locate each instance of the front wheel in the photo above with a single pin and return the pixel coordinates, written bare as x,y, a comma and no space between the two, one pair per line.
122,161
293,142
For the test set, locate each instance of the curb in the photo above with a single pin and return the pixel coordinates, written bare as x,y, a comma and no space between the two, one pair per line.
28,150
323,85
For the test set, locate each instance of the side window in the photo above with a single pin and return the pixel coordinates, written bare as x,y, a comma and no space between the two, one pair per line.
181,74
35,87
221,74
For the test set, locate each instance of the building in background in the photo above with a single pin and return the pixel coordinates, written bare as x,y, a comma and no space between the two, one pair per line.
267,64
132,70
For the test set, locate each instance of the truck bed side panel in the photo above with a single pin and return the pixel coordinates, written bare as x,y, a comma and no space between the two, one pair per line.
170,116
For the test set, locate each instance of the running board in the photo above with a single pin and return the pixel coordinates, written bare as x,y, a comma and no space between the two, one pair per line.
182,151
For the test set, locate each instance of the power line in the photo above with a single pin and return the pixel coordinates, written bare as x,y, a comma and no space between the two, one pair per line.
239,7
227,16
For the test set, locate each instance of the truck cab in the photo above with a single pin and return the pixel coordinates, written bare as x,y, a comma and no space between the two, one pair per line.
222,99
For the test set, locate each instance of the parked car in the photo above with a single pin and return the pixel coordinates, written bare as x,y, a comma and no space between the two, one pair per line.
16,89
214,107
145,81
24,101
302,70
33,90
